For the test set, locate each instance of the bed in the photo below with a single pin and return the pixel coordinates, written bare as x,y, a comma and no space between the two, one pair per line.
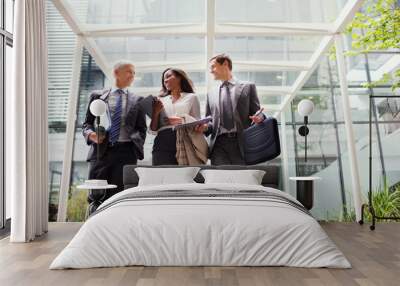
201,224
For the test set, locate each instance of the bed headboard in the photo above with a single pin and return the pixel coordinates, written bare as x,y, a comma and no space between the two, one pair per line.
270,179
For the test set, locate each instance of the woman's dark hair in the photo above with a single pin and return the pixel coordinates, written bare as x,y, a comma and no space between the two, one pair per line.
186,83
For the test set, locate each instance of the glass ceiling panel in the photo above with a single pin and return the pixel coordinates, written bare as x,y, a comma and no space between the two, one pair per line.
375,61
138,11
274,48
270,78
288,11
266,100
150,49
153,79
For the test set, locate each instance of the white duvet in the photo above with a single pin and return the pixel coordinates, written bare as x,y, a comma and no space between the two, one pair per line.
200,231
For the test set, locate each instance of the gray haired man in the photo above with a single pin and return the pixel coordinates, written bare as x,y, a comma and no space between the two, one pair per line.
124,139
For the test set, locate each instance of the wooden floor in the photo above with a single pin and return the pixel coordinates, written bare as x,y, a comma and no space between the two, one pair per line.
375,257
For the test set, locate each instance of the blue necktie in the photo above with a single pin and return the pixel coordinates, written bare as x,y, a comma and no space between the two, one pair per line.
116,119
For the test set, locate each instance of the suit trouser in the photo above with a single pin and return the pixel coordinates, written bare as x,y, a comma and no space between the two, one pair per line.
111,165
226,151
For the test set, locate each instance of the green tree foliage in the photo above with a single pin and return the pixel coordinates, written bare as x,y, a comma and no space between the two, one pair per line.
377,28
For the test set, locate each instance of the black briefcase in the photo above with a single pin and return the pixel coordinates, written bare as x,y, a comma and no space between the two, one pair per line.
261,142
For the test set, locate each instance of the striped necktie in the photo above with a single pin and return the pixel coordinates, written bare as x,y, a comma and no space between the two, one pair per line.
116,119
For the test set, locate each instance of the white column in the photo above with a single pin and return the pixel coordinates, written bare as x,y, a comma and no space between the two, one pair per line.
351,146
284,149
210,38
3,143
70,132
284,154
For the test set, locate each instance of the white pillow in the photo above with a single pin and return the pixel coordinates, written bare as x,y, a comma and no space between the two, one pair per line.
248,177
164,176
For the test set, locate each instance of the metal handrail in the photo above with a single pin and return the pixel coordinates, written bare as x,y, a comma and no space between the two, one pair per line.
370,205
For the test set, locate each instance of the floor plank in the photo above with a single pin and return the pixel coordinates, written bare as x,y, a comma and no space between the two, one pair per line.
375,257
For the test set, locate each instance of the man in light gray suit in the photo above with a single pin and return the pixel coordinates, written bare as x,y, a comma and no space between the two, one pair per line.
233,106
123,142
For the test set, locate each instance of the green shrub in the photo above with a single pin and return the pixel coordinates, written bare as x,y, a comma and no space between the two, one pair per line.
77,205
386,201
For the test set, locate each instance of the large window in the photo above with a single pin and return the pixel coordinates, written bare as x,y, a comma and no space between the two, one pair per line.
275,44
6,43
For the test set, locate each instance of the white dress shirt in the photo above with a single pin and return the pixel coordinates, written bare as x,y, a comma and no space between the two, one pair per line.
187,106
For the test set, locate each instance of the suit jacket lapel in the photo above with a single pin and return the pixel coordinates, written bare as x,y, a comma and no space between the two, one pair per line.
216,98
104,97
238,91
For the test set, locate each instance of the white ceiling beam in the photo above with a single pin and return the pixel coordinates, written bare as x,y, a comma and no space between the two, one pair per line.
144,30
265,29
305,75
273,90
388,67
66,11
270,107
188,66
90,45
345,16
314,61
272,65
95,51
195,29
243,66
249,66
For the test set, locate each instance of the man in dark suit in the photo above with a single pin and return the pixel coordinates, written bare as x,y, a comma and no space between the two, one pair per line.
232,106
123,141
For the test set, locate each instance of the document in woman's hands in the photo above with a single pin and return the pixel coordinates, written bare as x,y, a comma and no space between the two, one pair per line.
194,123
